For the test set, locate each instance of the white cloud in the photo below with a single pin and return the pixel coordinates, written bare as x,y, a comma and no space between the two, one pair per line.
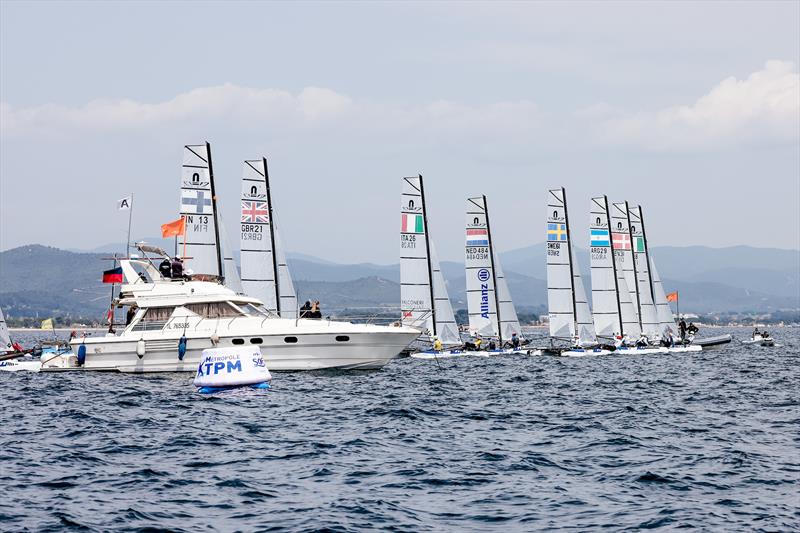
763,108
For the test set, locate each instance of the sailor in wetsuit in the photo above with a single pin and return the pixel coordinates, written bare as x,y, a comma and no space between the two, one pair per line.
682,329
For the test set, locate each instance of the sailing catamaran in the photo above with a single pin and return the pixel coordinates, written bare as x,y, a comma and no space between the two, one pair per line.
569,313
491,311
424,302
264,270
615,316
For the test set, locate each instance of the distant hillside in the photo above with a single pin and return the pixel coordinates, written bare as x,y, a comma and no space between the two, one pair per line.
47,281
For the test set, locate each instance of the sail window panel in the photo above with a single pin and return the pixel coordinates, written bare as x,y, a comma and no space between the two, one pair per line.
214,310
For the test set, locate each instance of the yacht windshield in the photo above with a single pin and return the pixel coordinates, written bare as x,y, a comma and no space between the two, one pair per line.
251,310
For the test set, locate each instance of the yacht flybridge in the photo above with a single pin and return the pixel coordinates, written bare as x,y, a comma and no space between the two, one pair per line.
175,319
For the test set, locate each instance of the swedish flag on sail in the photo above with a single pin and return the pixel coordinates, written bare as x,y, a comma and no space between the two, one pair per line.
556,232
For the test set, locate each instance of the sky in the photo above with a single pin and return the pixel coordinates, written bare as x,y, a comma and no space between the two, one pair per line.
691,109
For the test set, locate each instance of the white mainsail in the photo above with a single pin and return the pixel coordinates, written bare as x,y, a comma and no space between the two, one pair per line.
666,323
446,326
198,207
259,265
263,259
621,242
570,317
491,310
612,307
481,297
287,294
423,294
509,323
647,308
5,338
583,314
232,279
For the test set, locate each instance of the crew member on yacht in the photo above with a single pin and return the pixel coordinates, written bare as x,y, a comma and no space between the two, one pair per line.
130,314
692,329
177,268
165,268
682,329
305,309
514,341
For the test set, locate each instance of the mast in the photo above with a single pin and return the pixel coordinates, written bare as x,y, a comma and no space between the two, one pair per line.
494,270
216,215
613,265
428,252
635,270
272,239
571,271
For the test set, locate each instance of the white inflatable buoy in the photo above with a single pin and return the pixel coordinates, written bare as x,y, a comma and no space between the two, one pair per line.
227,368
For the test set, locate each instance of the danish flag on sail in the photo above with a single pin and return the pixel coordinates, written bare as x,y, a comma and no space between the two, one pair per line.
621,241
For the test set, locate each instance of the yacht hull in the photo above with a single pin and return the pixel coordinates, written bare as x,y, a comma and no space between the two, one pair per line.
310,351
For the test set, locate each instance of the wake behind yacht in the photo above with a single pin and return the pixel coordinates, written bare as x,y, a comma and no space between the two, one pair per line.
174,320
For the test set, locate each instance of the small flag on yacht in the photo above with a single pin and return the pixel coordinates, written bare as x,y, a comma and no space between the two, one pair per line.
174,228
622,241
47,324
478,237
556,232
412,224
125,203
672,297
112,276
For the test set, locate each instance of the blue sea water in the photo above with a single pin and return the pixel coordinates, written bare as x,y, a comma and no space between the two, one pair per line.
708,441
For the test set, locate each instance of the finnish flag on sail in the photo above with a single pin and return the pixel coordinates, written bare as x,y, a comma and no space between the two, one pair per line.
125,203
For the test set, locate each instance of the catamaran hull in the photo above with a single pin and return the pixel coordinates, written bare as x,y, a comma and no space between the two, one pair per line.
363,351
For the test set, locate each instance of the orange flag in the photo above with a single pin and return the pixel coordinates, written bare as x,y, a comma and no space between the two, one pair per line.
174,228
672,297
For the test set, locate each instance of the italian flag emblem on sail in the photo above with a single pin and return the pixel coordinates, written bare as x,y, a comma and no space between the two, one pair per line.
411,224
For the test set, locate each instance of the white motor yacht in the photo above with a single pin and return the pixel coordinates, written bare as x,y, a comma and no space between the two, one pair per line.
176,319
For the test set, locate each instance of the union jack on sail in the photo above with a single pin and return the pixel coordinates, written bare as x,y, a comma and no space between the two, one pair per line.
255,212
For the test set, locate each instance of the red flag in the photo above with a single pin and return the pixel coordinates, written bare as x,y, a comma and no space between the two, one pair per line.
112,276
672,297
174,228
